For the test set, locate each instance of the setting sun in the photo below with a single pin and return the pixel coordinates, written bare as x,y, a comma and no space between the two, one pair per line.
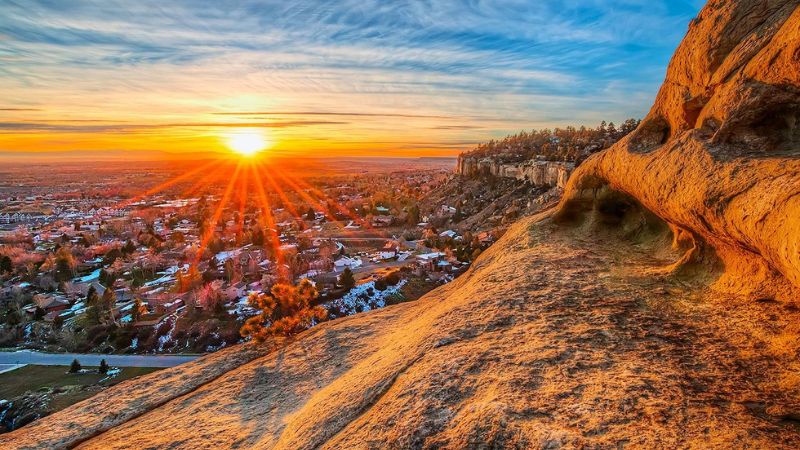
247,142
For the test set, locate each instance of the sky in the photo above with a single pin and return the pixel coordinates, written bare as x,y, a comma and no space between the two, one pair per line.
147,79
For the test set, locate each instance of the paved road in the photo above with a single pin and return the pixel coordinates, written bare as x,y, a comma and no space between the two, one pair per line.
91,359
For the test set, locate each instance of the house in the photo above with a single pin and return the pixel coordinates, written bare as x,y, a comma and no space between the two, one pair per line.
444,266
321,264
346,261
448,234
50,303
384,255
429,261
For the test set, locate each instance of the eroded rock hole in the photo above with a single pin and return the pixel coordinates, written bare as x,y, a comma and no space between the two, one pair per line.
651,134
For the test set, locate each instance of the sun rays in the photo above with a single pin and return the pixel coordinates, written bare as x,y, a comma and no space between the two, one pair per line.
253,185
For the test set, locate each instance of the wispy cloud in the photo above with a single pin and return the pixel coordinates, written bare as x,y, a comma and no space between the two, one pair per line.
122,128
395,68
326,113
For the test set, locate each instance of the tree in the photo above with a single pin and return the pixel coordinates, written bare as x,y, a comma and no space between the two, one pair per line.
258,238
103,367
211,298
64,264
93,303
346,279
107,302
75,367
304,242
111,256
137,310
91,296
58,322
413,215
129,248
178,237
287,310
6,264
107,278
310,214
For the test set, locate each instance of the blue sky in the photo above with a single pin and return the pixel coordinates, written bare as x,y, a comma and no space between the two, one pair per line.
421,75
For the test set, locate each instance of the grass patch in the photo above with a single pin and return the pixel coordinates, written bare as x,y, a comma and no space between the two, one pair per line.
35,378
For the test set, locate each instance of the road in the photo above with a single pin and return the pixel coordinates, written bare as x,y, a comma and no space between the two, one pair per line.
92,359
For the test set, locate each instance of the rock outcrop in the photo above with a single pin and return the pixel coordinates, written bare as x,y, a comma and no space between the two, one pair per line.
656,307
717,156
538,173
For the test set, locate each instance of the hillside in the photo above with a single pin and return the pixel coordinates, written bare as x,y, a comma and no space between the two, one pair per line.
654,307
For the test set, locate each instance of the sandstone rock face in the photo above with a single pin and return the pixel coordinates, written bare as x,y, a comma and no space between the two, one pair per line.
623,319
717,156
538,173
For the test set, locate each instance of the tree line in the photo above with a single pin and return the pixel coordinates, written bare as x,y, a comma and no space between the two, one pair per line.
560,144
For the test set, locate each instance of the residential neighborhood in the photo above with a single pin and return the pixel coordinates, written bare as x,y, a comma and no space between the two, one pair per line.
95,269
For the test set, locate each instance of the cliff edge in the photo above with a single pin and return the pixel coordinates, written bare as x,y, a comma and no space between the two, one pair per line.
655,307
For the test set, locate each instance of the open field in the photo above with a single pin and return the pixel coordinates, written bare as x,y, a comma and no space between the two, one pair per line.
35,377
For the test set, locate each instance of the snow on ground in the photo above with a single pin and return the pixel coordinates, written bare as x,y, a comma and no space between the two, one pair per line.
91,277
173,322
164,279
364,297
242,309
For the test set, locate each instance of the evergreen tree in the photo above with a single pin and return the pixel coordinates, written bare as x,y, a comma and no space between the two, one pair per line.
6,264
103,369
346,279
91,296
258,238
107,303
75,367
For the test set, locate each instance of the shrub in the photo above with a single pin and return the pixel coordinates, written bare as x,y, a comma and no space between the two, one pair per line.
286,311
392,278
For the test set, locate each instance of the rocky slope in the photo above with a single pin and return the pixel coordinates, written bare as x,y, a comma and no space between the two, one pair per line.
655,307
